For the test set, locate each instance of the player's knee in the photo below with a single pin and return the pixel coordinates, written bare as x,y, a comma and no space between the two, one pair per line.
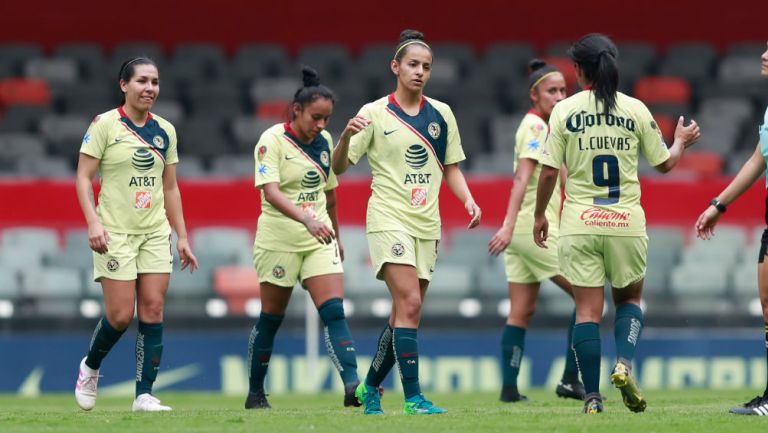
522,313
410,308
331,310
151,311
120,319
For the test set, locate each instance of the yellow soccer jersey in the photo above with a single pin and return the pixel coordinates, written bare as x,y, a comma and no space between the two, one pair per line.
303,173
131,162
407,155
602,193
529,140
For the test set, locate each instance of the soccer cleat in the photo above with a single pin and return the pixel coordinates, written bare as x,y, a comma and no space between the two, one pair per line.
148,403
510,394
257,400
757,406
418,405
85,388
574,390
370,397
593,404
630,392
350,399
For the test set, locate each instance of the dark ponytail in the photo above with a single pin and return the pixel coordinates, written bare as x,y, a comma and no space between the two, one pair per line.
128,69
409,37
598,58
312,89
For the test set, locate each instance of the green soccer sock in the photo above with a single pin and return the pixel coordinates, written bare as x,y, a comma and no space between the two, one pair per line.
104,337
571,371
628,326
406,351
260,349
586,344
149,351
338,340
383,360
512,346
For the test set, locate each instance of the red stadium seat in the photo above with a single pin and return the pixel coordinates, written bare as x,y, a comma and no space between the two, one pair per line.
273,110
237,285
700,164
565,65
667,126
663,90
20,91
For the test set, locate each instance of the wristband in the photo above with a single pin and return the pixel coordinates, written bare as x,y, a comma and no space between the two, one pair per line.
719,206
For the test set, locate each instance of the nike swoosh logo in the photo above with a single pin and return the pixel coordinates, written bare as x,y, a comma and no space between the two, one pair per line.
289,157
335,262
389,132
164,380
409,354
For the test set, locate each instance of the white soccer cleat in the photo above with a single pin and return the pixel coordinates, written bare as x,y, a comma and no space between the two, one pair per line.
148,403
85,388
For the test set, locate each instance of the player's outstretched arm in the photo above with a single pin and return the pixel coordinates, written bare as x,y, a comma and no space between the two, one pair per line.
749,173
684,136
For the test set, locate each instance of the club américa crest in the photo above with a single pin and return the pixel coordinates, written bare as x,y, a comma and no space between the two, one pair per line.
434,130
398,249
278,272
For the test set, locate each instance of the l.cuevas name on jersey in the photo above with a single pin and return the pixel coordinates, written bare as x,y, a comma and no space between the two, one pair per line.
601,152
132,160
407,155
303,174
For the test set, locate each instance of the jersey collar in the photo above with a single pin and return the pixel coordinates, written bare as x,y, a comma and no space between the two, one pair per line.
123,114
393,101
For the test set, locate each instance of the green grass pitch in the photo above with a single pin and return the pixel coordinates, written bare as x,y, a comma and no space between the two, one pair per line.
668,411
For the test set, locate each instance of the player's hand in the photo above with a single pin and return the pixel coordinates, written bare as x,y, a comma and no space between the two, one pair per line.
474,211
687,134
500,240
355,125
98,238
541,231
185,255
705,225
319,231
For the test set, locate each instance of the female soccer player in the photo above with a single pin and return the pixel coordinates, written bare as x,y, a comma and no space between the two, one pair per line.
598,135
705,229
129,232
526,264
297,235
412,142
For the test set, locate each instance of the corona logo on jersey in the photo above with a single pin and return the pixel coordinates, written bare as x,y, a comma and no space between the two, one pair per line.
596,216
143,160
579,122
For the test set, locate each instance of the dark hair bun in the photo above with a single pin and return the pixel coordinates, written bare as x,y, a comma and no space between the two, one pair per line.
309,77
409,35
536,64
